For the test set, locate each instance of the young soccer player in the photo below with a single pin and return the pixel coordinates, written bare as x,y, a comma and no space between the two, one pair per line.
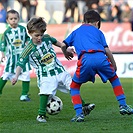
51,75
94,57
12,43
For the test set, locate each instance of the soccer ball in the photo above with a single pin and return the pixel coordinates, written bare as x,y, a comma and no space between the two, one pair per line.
54,105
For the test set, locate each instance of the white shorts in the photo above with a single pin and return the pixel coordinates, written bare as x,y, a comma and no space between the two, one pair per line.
25,76
49,85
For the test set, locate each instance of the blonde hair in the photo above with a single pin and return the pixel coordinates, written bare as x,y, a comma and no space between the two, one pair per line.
36,24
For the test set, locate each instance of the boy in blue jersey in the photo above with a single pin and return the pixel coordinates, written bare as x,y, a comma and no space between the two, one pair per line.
94,57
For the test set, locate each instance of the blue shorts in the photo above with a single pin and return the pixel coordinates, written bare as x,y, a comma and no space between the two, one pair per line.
91,64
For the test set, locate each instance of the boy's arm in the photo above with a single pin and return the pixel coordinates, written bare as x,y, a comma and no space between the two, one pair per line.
2,47
18,71
68,52
110,56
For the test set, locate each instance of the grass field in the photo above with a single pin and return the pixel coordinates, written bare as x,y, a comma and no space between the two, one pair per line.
20,117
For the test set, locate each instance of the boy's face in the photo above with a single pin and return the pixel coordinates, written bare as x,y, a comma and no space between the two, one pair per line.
13,20
37,37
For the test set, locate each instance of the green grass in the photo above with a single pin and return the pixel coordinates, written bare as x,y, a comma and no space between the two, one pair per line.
20,117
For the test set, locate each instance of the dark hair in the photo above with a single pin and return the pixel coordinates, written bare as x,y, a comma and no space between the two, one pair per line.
35,24
12,11
92,16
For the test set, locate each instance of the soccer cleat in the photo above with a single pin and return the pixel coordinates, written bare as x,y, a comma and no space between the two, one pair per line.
87,108
24,98
79,118
125,110
41,118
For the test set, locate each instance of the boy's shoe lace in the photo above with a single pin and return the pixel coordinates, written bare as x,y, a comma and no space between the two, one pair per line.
87,108
41,118
79,118
125,110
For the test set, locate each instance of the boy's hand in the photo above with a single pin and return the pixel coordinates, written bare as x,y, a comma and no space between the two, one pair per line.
14,81
2,57
69,53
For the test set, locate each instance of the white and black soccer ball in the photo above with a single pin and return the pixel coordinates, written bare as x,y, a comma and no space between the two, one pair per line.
54,105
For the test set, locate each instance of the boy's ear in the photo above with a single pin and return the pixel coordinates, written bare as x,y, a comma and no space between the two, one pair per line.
29,33
7,20
98,24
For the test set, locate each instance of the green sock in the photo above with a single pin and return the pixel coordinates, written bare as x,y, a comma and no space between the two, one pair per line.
25,87
43,104
2,84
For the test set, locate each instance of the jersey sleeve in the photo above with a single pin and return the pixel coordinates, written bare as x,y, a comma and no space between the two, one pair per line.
52,39
24,56
69,40
3,43
104,43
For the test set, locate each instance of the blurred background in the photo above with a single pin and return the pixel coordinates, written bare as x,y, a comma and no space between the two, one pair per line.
63,16
61,11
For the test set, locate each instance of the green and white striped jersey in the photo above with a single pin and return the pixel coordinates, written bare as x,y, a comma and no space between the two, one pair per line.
12,43
42,57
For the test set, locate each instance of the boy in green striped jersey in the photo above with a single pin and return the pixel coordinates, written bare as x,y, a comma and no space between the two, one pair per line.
13,41
51,75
